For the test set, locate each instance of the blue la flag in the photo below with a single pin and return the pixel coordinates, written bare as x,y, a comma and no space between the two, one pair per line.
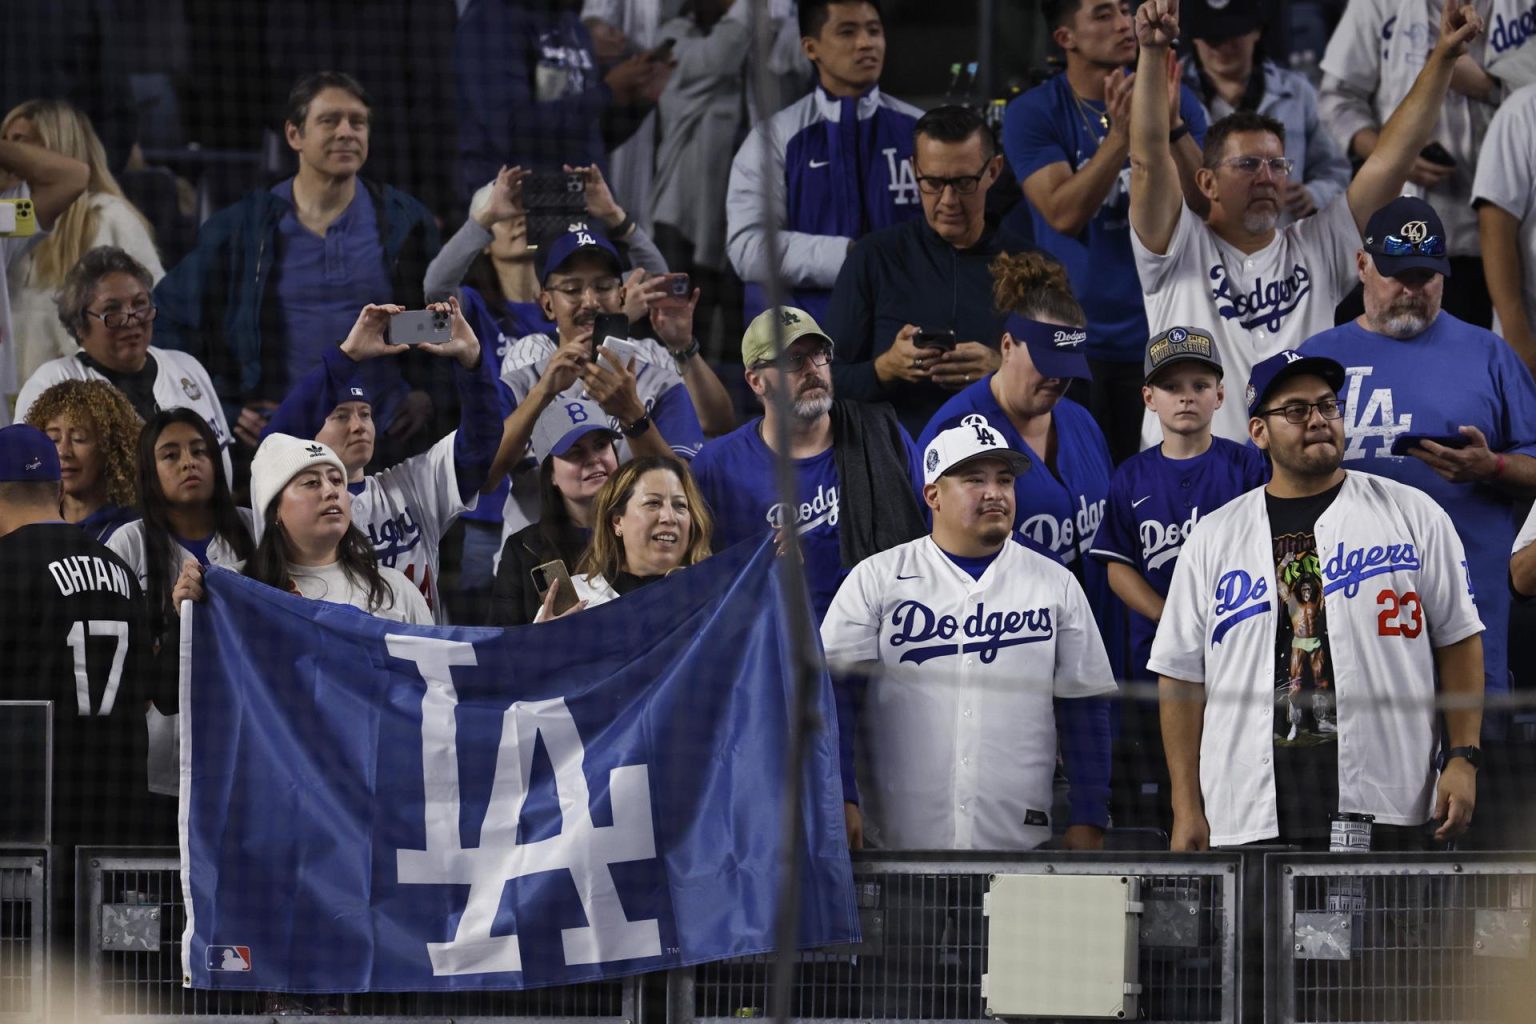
374,807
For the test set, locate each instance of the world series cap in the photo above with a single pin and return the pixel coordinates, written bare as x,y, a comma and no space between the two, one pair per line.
1180,345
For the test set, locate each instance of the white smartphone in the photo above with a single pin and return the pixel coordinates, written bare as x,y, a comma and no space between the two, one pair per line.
623,350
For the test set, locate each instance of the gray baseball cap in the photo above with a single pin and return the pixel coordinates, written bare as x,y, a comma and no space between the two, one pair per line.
1181,345
563,423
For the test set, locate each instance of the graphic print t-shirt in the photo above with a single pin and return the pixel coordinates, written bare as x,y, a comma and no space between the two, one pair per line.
1306,719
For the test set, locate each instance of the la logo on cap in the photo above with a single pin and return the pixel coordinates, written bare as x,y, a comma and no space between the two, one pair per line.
1178,334
788,316
1291,357
1414,231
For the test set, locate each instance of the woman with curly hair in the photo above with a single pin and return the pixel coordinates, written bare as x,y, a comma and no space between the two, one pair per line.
101,216
1061,499
96,432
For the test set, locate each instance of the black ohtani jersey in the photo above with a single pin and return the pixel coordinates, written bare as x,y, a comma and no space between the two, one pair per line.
74,630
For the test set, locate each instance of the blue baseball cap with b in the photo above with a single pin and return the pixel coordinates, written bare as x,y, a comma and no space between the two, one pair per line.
564,422
27,455
580,237
1269,373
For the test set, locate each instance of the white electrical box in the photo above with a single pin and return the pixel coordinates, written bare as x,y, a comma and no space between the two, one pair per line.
1062,946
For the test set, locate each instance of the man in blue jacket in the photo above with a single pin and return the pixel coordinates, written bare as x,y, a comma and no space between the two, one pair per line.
928,275
276,279
825,170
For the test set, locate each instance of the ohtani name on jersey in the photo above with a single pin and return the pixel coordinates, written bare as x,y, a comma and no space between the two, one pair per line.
394,537
1265,304
982,632
1346,570
1059,534
824,508
79,573
1161,544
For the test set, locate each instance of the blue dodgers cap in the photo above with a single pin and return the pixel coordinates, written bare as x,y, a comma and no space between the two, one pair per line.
1284,365
27,455
1407,234
1055,350
579,237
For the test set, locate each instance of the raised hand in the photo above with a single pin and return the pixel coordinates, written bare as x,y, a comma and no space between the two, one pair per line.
1157,23
1459,25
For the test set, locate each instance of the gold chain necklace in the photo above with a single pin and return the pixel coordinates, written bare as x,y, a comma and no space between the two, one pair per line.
1083,110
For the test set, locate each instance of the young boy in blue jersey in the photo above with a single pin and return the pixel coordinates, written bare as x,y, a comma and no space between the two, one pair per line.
1155,499
1158,496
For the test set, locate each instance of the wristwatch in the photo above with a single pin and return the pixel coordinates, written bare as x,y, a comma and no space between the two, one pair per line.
1473,755
638,427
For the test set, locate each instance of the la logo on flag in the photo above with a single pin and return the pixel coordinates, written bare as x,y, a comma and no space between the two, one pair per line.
229,958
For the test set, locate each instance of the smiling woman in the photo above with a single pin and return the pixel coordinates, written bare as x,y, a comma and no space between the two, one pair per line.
648,520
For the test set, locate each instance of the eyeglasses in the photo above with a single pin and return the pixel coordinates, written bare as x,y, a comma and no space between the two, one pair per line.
1279,166
1392,245
574,290
1300,412
795,361
120,318
964,185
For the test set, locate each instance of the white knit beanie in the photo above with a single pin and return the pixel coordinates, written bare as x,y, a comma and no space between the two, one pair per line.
280,458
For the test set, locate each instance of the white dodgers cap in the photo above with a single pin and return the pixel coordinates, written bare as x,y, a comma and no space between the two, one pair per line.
973,438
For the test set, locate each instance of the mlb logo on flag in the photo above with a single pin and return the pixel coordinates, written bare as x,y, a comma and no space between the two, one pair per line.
229,958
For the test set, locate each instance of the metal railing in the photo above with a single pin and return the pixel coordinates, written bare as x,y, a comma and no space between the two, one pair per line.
131,964
924,943
1432,938
23,935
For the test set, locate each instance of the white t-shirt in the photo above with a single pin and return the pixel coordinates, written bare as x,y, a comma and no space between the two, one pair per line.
1254,304
959,720
1506,177
1527,535
127,543
1380,545
330,583
35,311
180,383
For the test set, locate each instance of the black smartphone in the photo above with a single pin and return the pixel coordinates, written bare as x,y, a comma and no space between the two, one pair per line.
554,200
610,325
546,575
1407,442
943,340
1437,154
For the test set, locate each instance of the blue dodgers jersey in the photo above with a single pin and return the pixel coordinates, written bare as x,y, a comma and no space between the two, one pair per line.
736,475
523,318
1059,511
1453,374
1154,503
1045,126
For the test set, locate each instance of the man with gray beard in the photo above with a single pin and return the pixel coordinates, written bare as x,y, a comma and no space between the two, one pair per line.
1441,405
1260,290
857,471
